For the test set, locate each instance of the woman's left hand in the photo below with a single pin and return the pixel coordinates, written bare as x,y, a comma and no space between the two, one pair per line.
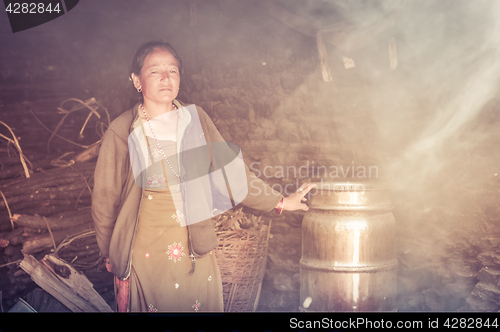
109,266
294,201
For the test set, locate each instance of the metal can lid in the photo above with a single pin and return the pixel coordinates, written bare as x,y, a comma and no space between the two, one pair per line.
352,186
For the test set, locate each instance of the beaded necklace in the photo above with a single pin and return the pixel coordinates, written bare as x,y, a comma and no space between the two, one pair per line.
158,142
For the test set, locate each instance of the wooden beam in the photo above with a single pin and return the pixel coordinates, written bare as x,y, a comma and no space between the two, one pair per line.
345,37
293,21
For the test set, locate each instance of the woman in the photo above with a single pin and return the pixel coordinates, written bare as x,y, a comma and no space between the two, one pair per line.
147,209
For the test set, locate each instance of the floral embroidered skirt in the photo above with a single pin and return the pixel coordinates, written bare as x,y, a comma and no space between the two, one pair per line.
160,279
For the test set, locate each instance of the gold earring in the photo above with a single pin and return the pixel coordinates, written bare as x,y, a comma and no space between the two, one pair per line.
139,89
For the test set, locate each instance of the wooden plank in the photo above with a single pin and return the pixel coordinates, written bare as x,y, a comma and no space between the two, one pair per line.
66,284
80,285
44,278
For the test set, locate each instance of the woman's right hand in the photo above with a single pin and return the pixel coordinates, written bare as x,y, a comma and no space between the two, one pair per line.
294,201
109,266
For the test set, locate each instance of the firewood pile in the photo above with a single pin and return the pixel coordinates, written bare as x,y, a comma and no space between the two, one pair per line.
45,209
50,213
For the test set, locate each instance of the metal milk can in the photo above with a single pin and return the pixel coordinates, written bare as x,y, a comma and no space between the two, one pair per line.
348,258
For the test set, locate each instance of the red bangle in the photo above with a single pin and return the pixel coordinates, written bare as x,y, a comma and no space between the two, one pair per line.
279,209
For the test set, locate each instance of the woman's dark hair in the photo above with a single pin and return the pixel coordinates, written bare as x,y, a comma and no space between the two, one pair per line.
145,49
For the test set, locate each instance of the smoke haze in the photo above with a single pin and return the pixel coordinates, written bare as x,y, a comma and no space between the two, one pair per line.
454,49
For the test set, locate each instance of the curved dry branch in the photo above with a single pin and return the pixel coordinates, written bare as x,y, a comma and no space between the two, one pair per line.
92,105
14,141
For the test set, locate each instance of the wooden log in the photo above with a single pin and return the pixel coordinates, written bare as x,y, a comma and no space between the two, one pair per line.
3,234
28,231
87,154
50,208
12,193
71,288
42,242
87,246
13,170
84,242
80,253
17,255
54,173
10,156
69,214
81,249
75,246
31,185
4,224
70,255
38,205
12,250
75,186
7,238
20,202
55,224
19,273
15,240
31,203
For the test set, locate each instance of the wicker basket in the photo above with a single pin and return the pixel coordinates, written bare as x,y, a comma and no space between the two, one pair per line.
242,257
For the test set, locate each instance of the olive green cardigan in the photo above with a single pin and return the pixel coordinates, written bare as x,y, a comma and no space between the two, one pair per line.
116,197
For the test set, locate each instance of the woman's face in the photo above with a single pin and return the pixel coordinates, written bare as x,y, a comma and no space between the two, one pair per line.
159,78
